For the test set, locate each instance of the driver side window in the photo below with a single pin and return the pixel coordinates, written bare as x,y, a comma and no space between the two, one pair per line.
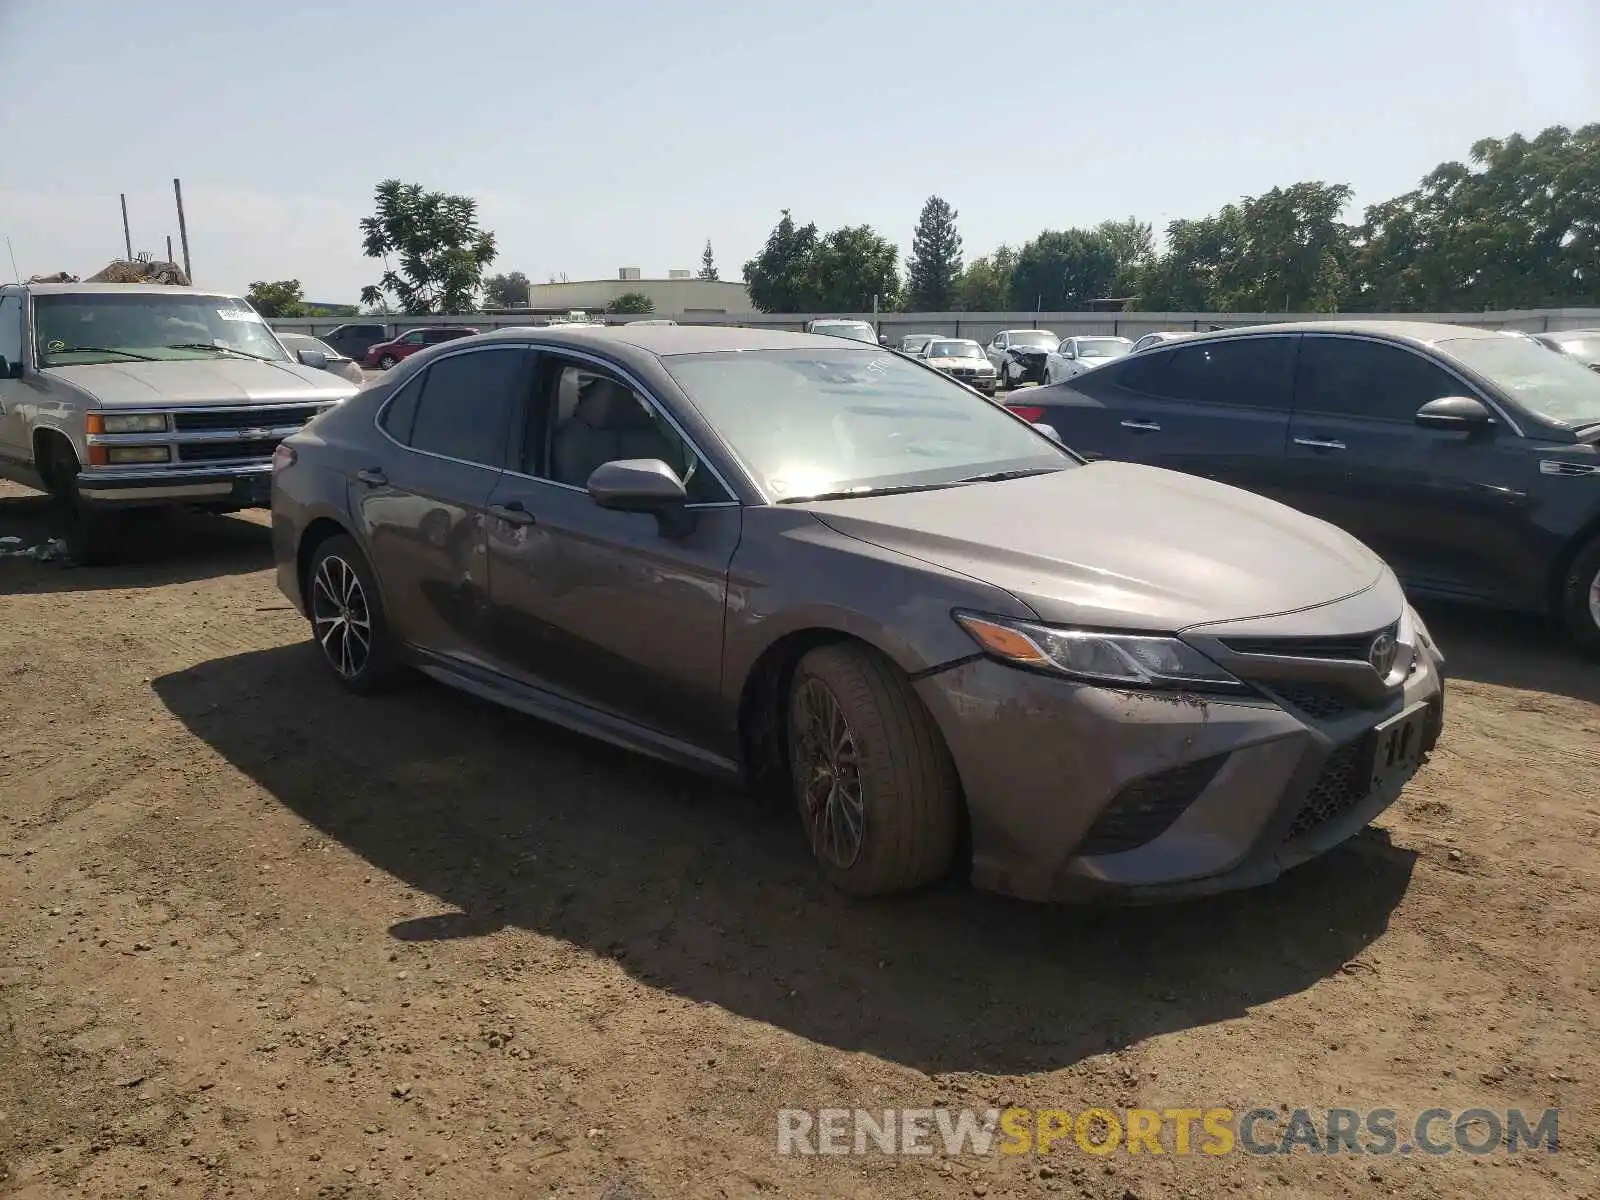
414,338
589,417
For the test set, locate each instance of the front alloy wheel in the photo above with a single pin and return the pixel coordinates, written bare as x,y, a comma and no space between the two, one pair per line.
340,616
387,361
347,618
873,781
828,773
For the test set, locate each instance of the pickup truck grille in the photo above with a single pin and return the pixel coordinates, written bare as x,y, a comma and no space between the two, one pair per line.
223,451
244,418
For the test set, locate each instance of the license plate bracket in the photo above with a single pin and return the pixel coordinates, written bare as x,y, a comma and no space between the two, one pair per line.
1397,744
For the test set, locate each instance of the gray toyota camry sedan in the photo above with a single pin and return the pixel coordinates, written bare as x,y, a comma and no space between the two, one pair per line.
821,567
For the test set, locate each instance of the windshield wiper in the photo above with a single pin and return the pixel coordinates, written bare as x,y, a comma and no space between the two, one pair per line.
861,493
101,350
997,476
219,350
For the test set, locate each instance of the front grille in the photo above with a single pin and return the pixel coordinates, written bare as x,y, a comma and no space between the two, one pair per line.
1322,701
1353,647
221,451
1146,808
245,418
1340,786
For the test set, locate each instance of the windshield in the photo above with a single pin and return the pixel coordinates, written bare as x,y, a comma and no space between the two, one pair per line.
296,342
78,328
1041,338
955,350
1553,386
1585,349
859,330
804,422
1102,347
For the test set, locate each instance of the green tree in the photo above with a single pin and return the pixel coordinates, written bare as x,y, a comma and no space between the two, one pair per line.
777,277
850,269
985,286
1132,243
1519,227
1062,270
507,291
331,310
708,263
285,298
934,270
631,303
1283,251
434,240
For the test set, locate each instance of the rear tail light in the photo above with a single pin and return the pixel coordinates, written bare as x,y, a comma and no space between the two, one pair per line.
283,457
1031,413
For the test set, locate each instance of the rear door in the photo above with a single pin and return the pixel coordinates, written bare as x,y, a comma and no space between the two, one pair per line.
1448,510
14,439
602,606
422,500
1219,409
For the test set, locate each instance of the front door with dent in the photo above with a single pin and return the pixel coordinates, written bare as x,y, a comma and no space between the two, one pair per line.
421,500
606,607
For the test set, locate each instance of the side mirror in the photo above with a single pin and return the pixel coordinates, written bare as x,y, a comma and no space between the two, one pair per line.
1069,354
1049,431
642,485
1455,412
10,370
312,358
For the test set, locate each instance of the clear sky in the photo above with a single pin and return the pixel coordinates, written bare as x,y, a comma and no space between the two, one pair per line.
626,132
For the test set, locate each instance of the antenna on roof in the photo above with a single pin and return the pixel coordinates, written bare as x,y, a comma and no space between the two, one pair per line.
13,255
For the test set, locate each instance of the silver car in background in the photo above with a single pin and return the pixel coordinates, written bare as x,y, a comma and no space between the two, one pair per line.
1075,355
333,362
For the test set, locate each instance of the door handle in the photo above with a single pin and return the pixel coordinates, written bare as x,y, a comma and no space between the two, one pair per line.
372,476
1320,443
511,514
1142,426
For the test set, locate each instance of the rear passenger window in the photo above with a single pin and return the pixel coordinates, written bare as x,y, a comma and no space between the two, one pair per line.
1350,377
401,412
1250,372
11,329
464,409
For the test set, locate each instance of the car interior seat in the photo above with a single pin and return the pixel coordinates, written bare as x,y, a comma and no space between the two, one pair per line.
607,423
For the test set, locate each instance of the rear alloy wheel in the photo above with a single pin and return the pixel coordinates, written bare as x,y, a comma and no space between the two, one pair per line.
387,361
347,618
876,789
1580,599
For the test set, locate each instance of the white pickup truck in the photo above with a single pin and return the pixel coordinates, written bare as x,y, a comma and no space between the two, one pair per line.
116,397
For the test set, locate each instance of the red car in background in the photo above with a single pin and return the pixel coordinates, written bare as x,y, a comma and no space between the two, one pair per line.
385,354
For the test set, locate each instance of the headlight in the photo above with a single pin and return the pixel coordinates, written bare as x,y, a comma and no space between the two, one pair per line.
134,422
1129,660
1424,638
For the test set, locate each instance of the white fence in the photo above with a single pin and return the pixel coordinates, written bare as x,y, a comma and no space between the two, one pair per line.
983,326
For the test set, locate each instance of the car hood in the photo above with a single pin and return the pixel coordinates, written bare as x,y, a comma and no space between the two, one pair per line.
1120,545
201,381
1030,349
936,363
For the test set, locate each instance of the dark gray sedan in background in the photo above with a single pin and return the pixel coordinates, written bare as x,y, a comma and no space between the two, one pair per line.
798,561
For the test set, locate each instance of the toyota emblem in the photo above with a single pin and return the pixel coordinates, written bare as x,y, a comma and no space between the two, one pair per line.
1381,653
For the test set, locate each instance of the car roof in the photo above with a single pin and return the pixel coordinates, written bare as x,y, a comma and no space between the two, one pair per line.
666,340
1420,333
120,289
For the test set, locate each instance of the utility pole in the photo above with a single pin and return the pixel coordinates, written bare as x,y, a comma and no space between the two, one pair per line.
169,247
183,229
127,238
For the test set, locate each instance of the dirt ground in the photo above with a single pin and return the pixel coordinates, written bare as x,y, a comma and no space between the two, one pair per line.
260,938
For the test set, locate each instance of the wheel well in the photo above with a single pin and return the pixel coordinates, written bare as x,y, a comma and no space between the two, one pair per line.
45,443
316,533
1555,592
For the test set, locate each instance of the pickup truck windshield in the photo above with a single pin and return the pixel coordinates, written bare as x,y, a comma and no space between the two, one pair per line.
79,328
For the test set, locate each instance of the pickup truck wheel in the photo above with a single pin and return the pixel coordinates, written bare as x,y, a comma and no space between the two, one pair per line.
347,619
93,535
1580,600
876,788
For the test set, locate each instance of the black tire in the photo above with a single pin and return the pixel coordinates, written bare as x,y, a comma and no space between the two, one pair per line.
1580,602
387,361
378,666
93,536
909,795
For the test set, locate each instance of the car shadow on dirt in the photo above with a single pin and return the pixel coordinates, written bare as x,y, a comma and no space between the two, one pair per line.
704,891
157,549
1512,650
